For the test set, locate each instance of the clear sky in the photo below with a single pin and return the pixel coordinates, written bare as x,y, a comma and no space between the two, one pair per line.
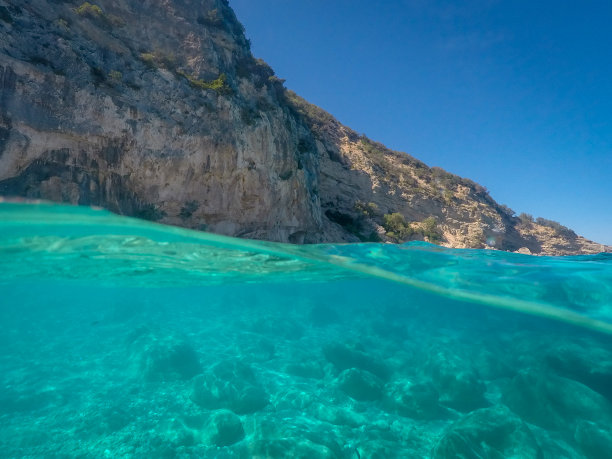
514,94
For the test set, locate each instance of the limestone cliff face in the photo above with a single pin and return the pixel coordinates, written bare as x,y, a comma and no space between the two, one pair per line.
157,109
363,183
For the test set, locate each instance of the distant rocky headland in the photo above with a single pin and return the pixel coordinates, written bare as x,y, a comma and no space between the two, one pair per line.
159,110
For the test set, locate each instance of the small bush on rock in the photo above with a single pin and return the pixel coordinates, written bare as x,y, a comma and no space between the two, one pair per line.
88,9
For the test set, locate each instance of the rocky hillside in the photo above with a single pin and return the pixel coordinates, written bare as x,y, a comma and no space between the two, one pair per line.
375,193
157,109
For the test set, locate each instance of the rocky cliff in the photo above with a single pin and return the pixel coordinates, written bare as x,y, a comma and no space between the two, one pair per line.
157,109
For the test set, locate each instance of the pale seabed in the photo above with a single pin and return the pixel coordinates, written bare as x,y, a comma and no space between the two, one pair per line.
122,338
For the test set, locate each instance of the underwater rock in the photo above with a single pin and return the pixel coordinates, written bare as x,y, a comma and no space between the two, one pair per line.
343,358
360,384
414,400
162,356
339,416
295,448
554,402
220,428
496,363
489,432
595,440
231,385
298,432
555,446
592,366
322,435
223,429
457,381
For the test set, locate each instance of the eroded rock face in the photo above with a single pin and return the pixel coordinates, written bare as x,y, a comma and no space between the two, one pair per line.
156,110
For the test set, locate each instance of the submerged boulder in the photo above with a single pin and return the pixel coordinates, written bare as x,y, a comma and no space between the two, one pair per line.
594,440
590,365
344,357
339,415
360,384
554,402
231,385
417,400
223,429
219,428
162,356
494,433
457,381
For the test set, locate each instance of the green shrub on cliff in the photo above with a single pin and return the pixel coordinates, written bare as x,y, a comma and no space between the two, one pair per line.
526,219
506,210
256,70
448,196
157,59
115,75
218,85
430,229
212,18
560,229
149,59
367,210
396,226
88,9
316,115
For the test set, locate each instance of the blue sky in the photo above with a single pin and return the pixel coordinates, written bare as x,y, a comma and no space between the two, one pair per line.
516,95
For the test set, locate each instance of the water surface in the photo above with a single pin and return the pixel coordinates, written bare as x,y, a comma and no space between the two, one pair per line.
123,338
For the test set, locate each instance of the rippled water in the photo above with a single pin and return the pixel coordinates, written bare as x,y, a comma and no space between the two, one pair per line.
123,338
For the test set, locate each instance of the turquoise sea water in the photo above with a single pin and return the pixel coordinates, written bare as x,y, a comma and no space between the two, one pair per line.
123,338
